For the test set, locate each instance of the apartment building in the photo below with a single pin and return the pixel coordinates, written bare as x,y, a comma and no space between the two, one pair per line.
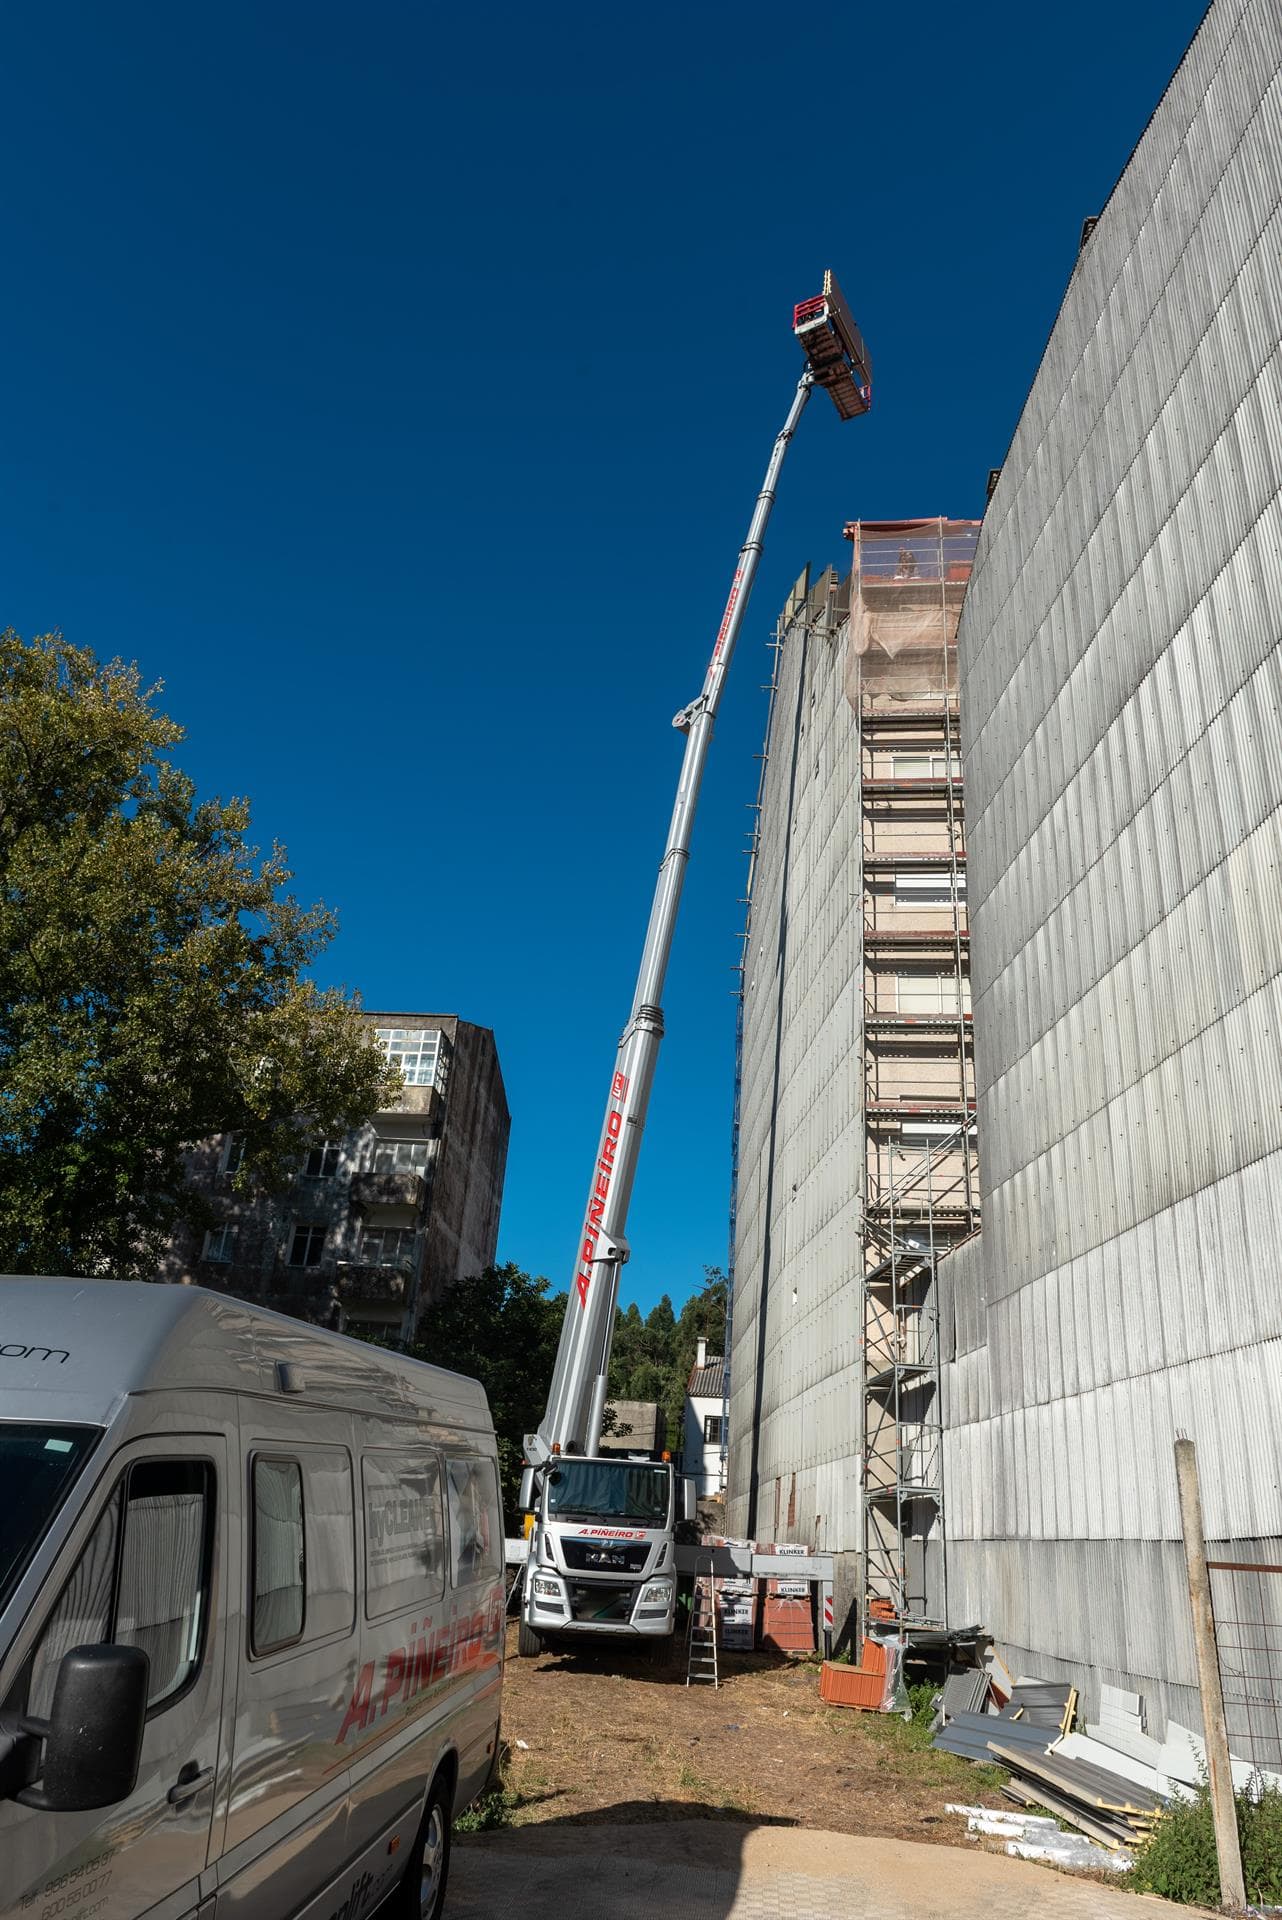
376,1225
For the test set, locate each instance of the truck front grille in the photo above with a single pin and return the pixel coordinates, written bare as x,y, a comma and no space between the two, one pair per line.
605,1556
612,1605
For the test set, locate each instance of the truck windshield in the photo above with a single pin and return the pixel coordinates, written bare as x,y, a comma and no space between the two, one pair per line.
609,1490
37,1467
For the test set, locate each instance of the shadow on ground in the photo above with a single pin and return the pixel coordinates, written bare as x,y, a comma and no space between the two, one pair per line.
692,1861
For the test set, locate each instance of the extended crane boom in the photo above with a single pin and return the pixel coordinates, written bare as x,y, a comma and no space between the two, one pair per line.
835,359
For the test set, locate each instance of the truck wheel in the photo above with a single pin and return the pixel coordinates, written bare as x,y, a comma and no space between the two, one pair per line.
421,1893
528,1643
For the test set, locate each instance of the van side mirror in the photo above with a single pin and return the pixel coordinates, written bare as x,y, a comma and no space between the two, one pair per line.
689,1498
93,1736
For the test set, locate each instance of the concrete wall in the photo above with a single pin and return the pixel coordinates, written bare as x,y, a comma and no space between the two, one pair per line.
1122,721
795,1408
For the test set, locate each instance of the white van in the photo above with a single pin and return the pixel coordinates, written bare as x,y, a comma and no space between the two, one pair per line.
251,1612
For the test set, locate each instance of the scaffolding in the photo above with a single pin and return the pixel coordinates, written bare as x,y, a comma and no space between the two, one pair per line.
920,1175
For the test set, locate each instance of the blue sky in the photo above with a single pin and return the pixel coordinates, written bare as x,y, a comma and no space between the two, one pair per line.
394,382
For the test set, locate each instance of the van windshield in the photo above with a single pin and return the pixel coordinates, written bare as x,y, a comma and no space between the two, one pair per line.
609,1490
37,1467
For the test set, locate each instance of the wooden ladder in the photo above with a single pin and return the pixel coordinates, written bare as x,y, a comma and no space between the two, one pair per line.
701,1634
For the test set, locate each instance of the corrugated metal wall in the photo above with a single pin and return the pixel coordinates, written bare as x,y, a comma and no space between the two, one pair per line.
795,1428
1122,722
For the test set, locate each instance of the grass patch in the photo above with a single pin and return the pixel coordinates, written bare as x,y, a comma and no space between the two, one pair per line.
497,1808
492,1811
1179,1861
913,1738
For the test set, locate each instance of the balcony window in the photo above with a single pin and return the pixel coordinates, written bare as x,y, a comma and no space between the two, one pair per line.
307,1246
927,889
923,992
400,1156
322,1161
415,1050
925,766
387,1246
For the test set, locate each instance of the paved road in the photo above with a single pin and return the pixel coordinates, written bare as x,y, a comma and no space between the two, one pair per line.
719,1870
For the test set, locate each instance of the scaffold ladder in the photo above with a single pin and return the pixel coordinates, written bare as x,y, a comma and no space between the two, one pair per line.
701,1635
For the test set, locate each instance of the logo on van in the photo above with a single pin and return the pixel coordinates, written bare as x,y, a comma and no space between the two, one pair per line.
423,1662
398,1517
356,1899
13,1350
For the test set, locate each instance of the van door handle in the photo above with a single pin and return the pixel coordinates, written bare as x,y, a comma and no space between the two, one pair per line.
189,1782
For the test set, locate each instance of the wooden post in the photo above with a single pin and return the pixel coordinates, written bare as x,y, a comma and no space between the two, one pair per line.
1215,1730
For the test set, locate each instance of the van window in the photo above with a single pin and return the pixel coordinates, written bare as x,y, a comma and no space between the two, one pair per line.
476,1532
404,1531
280,1554
329,1552
149,1589
37,1467
162,1589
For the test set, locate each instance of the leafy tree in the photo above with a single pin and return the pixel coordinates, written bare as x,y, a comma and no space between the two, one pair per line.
150,990
651,1358
502,1329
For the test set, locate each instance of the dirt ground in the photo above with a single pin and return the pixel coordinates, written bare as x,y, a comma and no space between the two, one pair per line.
626,1741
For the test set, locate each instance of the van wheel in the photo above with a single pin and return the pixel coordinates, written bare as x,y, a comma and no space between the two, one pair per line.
421,1894
528,1643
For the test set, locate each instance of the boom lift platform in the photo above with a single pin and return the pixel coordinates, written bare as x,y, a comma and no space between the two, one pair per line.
553,1603
834,346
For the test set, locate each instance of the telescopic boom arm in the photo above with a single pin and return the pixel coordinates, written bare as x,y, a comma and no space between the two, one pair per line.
836,359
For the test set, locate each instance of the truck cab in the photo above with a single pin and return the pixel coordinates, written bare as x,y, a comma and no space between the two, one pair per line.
602,1558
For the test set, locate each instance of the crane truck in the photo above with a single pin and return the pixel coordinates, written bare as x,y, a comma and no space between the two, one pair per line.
601,1555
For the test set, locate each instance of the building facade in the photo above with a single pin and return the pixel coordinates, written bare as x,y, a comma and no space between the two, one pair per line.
1121,683
376,1225
855,1153
702,1453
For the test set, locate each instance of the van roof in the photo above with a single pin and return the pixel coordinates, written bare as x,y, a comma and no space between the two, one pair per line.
91,1342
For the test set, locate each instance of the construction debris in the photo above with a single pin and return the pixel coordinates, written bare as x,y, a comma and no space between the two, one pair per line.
964,1692
1111,1810
1035,1837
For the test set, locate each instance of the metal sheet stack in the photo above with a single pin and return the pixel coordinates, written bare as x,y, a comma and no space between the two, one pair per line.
1114,1811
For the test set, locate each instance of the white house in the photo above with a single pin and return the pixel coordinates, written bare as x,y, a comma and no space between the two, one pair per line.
702,1457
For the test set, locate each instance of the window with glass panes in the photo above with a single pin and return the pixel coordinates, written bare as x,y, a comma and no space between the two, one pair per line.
386,1246
925,766
400,1156
219,1243
415,1050
322,1161
930,992
307,1246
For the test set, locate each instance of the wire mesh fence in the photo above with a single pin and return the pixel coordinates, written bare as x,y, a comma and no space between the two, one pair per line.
1246,1599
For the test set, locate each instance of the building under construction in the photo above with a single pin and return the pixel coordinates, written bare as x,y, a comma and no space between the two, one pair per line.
1121,673
855,1146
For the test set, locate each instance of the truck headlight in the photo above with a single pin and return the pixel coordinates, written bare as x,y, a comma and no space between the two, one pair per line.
545,1589
656,1593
